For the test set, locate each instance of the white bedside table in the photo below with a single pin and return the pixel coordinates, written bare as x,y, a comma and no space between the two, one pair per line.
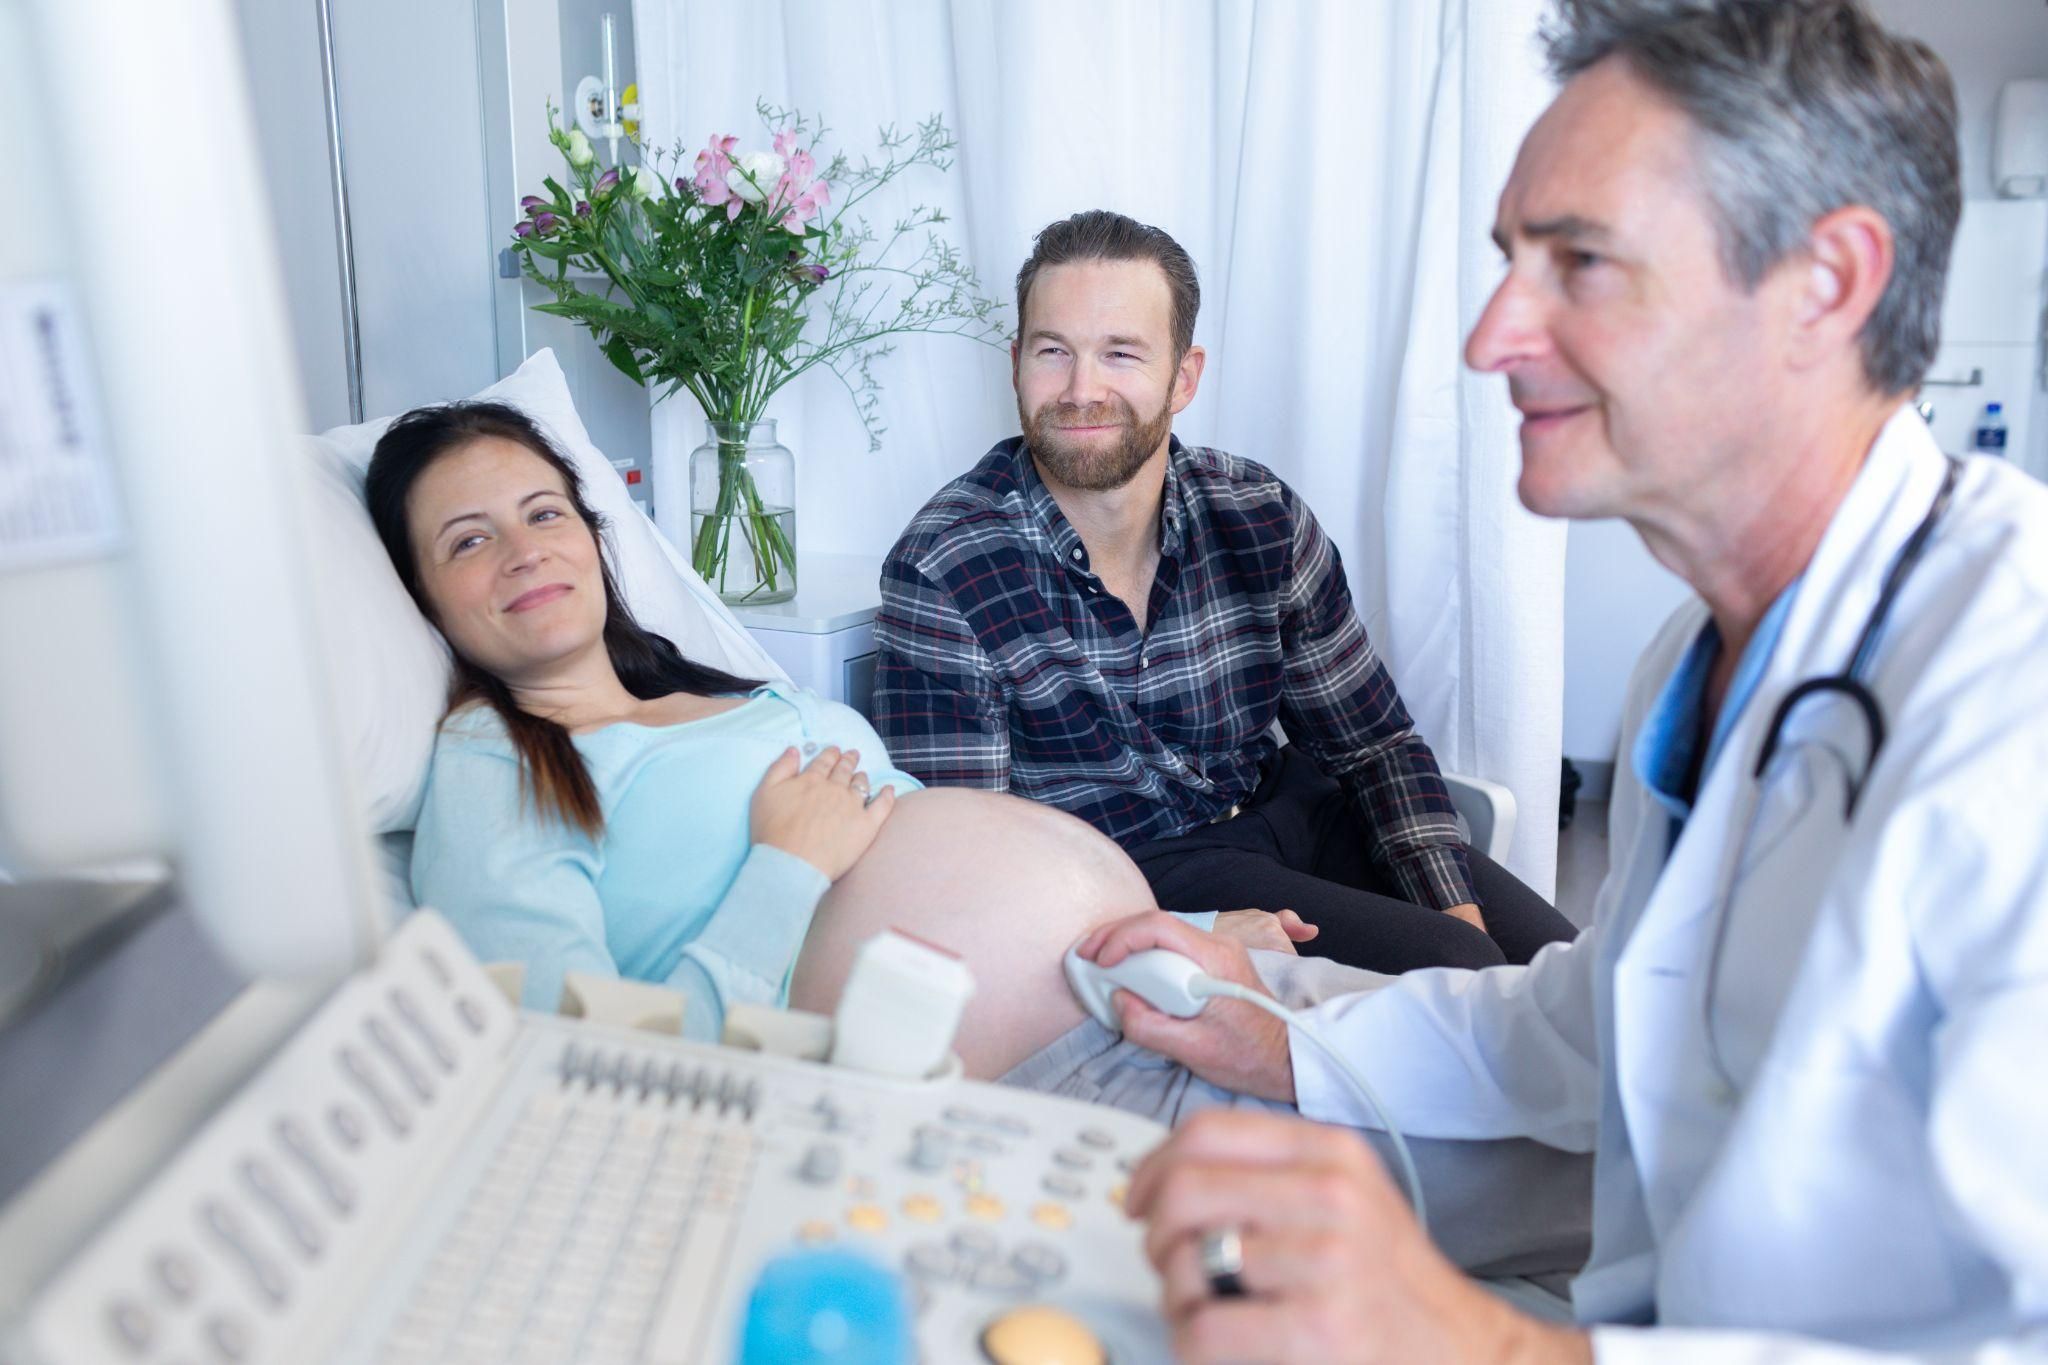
825,635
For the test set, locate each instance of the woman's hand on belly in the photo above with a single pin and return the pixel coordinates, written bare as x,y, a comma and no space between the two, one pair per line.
821,813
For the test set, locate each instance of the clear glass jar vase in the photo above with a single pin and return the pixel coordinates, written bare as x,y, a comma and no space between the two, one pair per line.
743,513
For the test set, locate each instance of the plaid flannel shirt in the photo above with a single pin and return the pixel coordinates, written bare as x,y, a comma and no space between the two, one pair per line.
1004,663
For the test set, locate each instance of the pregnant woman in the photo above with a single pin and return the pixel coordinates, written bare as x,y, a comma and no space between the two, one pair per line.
599,803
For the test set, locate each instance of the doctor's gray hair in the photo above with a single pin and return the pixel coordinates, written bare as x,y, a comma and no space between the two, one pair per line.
1802,107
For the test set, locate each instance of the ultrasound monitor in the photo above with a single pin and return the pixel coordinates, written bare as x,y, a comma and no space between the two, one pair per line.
161,683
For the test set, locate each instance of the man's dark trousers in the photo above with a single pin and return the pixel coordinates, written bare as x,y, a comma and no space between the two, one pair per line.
1300,845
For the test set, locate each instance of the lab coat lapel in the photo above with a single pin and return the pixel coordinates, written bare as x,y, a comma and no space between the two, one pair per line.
1675,1105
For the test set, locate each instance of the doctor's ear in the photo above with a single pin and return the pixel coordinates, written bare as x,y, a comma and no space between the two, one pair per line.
1837,282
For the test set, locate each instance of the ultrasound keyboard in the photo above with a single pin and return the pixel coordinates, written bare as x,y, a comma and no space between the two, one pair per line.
425,1176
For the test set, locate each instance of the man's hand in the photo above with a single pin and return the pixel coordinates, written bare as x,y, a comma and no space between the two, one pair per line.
1229,1043
1335,1268
1277,931
1469,913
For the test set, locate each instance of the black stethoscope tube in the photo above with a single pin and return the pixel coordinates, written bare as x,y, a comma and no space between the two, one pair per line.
1848,683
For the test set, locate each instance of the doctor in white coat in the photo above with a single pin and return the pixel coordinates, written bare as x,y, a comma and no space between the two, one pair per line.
1806,1035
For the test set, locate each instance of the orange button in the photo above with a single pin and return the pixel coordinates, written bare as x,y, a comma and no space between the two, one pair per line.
1057,1217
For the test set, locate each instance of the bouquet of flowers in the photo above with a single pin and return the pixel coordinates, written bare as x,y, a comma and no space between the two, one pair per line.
732,280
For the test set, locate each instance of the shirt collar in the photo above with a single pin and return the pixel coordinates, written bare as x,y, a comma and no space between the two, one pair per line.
1060,533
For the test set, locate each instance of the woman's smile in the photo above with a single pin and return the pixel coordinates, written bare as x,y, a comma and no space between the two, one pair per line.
539,597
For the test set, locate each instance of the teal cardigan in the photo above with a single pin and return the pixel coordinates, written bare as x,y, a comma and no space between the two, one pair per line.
674,891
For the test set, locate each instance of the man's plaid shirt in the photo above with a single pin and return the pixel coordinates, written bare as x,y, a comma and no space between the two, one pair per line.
1006,664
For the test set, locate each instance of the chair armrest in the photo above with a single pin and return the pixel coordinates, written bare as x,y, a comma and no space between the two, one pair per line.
1488,810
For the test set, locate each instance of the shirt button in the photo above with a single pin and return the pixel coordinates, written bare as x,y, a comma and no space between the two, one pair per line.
1079,554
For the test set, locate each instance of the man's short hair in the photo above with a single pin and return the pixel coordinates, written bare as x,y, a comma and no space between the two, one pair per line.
1802,107
1100,235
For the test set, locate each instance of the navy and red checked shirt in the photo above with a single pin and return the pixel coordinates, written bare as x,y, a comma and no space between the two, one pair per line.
1006,664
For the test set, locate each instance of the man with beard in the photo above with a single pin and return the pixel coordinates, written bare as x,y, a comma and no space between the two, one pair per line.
1103,619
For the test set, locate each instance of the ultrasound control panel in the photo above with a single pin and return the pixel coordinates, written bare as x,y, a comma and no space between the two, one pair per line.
425,1175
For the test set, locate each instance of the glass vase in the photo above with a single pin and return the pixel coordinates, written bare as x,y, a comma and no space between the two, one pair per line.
743,513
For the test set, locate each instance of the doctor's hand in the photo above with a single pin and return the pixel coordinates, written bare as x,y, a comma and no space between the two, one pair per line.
1229,1043
821,813
1335,1268
1274,930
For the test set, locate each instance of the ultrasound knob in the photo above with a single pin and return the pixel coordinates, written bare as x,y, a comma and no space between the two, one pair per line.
820,1165
1038,1334
930,1151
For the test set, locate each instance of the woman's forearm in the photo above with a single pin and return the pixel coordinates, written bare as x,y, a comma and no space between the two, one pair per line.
744,953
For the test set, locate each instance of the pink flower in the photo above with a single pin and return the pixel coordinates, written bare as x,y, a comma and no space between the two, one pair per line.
795,197
805,206
798,197
713,164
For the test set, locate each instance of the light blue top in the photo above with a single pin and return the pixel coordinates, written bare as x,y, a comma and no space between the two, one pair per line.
673,892
1670,737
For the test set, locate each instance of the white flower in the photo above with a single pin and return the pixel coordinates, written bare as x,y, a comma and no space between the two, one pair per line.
765,168
645,184
579,151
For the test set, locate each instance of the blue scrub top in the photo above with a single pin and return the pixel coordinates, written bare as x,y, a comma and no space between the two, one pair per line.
1668,744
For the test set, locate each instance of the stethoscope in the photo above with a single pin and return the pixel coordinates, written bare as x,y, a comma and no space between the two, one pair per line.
1850,683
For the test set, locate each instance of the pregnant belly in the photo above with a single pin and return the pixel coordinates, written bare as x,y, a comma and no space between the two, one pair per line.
1006,884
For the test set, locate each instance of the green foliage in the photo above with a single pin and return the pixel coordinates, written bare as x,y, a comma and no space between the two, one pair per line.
682,292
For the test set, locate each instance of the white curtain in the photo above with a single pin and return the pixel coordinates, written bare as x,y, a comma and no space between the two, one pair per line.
1332,168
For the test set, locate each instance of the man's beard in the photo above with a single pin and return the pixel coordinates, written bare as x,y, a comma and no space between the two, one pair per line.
1091,468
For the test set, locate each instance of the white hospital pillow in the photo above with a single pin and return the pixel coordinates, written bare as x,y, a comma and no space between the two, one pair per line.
388,667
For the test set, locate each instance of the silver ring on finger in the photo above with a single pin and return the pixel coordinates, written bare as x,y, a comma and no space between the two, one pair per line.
1223,1262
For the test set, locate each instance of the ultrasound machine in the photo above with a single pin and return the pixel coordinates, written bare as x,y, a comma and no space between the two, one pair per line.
371,1155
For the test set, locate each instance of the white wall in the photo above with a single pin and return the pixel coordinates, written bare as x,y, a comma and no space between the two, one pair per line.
413,134
1615,597
552,44
406,79
418,108
282,46
1985,43
1615,594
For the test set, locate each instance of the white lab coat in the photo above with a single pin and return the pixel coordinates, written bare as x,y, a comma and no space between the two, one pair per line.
1877,1179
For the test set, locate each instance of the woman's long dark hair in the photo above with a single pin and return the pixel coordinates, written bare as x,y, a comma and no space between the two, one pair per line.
552,772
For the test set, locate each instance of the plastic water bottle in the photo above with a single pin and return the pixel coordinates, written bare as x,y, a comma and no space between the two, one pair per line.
1990,435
